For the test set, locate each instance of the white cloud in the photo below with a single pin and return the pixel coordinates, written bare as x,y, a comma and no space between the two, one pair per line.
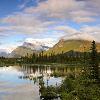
21,19
83,36
66,29
23,23
45,41
54,6
83,19
95,3
64,9
8,48
40,19
3,29
36,20
85,32
91,29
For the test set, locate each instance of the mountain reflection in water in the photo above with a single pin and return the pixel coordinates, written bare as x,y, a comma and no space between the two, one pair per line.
22,82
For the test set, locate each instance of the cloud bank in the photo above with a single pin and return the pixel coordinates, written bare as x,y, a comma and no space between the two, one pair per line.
52,17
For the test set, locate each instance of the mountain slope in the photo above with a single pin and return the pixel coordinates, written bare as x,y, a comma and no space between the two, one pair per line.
76,45
28,48
21,51
3,54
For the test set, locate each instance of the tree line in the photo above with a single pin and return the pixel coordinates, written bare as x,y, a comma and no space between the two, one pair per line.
67,57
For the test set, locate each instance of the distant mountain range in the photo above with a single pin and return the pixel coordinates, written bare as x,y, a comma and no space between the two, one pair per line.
62,45
4,54
28,48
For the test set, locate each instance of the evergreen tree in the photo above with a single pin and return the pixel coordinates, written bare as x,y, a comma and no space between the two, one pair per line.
94,64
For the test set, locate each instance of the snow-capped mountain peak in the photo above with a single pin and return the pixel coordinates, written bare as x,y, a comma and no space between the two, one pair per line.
38,44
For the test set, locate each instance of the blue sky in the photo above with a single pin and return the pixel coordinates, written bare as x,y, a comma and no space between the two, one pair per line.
42,19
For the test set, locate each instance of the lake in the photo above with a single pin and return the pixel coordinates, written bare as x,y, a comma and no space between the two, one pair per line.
22,82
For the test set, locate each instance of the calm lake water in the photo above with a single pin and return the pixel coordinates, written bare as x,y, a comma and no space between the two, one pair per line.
22,82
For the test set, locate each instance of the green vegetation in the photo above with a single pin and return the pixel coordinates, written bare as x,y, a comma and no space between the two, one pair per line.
69,52
75,52
82,86
72,88
94,63
41,58
85,86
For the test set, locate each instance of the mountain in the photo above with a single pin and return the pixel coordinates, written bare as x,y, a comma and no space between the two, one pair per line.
62,45
3,54
20,51
35,46
75,45
28,48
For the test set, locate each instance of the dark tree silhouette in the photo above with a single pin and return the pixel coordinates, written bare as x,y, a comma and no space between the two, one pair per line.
94,64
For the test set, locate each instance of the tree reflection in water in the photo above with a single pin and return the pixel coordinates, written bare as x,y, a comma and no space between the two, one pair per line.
42,75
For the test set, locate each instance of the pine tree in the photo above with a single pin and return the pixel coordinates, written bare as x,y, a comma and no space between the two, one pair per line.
94,64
